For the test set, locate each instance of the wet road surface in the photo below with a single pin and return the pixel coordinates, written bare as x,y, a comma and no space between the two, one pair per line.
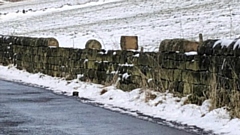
26,110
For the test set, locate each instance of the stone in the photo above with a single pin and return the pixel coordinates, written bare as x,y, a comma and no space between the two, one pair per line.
75,93
52,42
48,42
179,87
177,75
28,41
93,44
91,64
167,74
102,76
192,65
129,42
207,47
178,45
187,88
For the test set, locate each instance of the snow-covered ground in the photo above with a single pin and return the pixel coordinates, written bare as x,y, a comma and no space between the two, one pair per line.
73,22
164,106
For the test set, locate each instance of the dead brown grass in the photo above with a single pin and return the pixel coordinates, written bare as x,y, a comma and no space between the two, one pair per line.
159,102
230,99
234,107
149,96
213,92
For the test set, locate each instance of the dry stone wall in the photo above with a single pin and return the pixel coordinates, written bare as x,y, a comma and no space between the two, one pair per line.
215,67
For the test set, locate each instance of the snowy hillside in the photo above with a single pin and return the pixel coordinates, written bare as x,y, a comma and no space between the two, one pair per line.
73,22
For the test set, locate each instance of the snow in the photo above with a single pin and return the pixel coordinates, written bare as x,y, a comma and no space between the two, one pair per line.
191,53
74,22
227,43
223,42
236,45
126,65
136,55
164,106
125,75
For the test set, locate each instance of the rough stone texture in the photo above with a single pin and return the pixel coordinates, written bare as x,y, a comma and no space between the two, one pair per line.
129,42
214,68
51,42
180,45
28,41
93,44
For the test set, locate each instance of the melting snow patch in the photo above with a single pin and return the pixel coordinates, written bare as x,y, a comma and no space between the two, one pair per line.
125,75
191,53
126,65
149,80
114,72
236,45
223,42
136,55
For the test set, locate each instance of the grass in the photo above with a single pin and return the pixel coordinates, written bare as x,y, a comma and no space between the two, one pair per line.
229,99
213,91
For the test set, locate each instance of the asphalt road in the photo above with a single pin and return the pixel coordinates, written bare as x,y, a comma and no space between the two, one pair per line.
26,110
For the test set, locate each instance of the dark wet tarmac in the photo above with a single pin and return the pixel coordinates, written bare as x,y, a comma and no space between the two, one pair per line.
26,110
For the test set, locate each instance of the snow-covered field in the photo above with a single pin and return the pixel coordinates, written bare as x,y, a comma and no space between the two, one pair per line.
73,22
